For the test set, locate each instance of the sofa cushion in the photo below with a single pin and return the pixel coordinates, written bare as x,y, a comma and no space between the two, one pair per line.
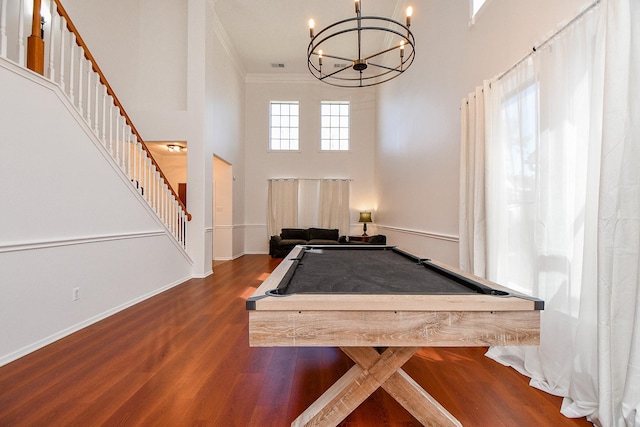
323,242
295,233
323,234
292,242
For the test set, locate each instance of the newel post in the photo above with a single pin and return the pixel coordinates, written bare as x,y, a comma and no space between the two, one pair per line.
35,43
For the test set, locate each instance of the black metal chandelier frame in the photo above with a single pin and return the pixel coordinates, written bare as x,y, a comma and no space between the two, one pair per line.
362,25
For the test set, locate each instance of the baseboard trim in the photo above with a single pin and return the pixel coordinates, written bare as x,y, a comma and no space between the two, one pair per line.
8,358
427,234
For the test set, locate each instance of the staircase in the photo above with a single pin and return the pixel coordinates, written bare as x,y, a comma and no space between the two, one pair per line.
56,51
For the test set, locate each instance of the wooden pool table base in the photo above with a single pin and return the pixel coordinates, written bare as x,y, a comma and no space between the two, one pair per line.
371,371
359,321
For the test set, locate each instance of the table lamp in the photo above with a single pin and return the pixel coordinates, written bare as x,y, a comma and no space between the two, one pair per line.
365,217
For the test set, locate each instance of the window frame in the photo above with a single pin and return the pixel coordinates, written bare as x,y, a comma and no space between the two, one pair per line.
331,128
281,127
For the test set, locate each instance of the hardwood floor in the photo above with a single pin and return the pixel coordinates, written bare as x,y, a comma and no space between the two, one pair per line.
182,359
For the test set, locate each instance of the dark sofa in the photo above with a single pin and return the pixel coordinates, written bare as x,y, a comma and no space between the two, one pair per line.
280,246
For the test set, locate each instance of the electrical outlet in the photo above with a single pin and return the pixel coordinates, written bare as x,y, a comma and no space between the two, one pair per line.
76,294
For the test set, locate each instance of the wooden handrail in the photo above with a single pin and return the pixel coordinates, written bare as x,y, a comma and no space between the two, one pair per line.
87,54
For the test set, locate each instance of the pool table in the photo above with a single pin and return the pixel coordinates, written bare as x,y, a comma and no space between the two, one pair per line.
380,304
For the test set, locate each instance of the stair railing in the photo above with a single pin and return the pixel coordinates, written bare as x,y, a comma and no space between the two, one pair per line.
62,57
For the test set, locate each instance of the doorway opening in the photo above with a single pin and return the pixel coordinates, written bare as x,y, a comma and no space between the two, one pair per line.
222,210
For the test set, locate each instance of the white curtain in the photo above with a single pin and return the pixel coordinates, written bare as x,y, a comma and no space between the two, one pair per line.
619,220
472,221
282,203
540,142
563,209
334,205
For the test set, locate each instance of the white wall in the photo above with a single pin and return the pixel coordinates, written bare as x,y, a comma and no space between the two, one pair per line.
309,162
225,91
417,154
141,46
70,219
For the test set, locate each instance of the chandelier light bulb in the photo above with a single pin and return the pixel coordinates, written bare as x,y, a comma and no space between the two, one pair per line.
312,24
409,13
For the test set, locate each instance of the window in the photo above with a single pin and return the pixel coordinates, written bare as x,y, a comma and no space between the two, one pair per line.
284,126
476,5
334,131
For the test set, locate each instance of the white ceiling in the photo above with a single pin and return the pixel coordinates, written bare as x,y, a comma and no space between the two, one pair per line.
276,31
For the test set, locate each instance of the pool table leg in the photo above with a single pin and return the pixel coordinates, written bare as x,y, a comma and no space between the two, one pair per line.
406,391
371,371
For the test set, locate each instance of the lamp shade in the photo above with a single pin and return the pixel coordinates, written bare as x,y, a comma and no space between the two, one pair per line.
365,217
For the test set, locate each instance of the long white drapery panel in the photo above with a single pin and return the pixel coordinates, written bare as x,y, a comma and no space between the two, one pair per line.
563,209
472,219
538,147
282,205
619,220
334,205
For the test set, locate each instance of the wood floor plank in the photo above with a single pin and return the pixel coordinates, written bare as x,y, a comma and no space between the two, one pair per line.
182,358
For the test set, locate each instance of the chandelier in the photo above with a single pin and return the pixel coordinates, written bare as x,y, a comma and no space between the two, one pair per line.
347,53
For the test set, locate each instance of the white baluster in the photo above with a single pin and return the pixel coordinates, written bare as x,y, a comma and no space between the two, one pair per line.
141,168
21,35
129,151
96,106
52,29
162,195
172,213
104,117
89,74
163,198
80,62
111,128
149,180
174,217
158,192
183,229
134,159
62,33
167,205
138,164
140,160
3,28
72,43
124,143
152,183
117,137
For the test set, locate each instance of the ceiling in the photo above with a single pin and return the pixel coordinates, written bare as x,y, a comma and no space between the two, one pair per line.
276,31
